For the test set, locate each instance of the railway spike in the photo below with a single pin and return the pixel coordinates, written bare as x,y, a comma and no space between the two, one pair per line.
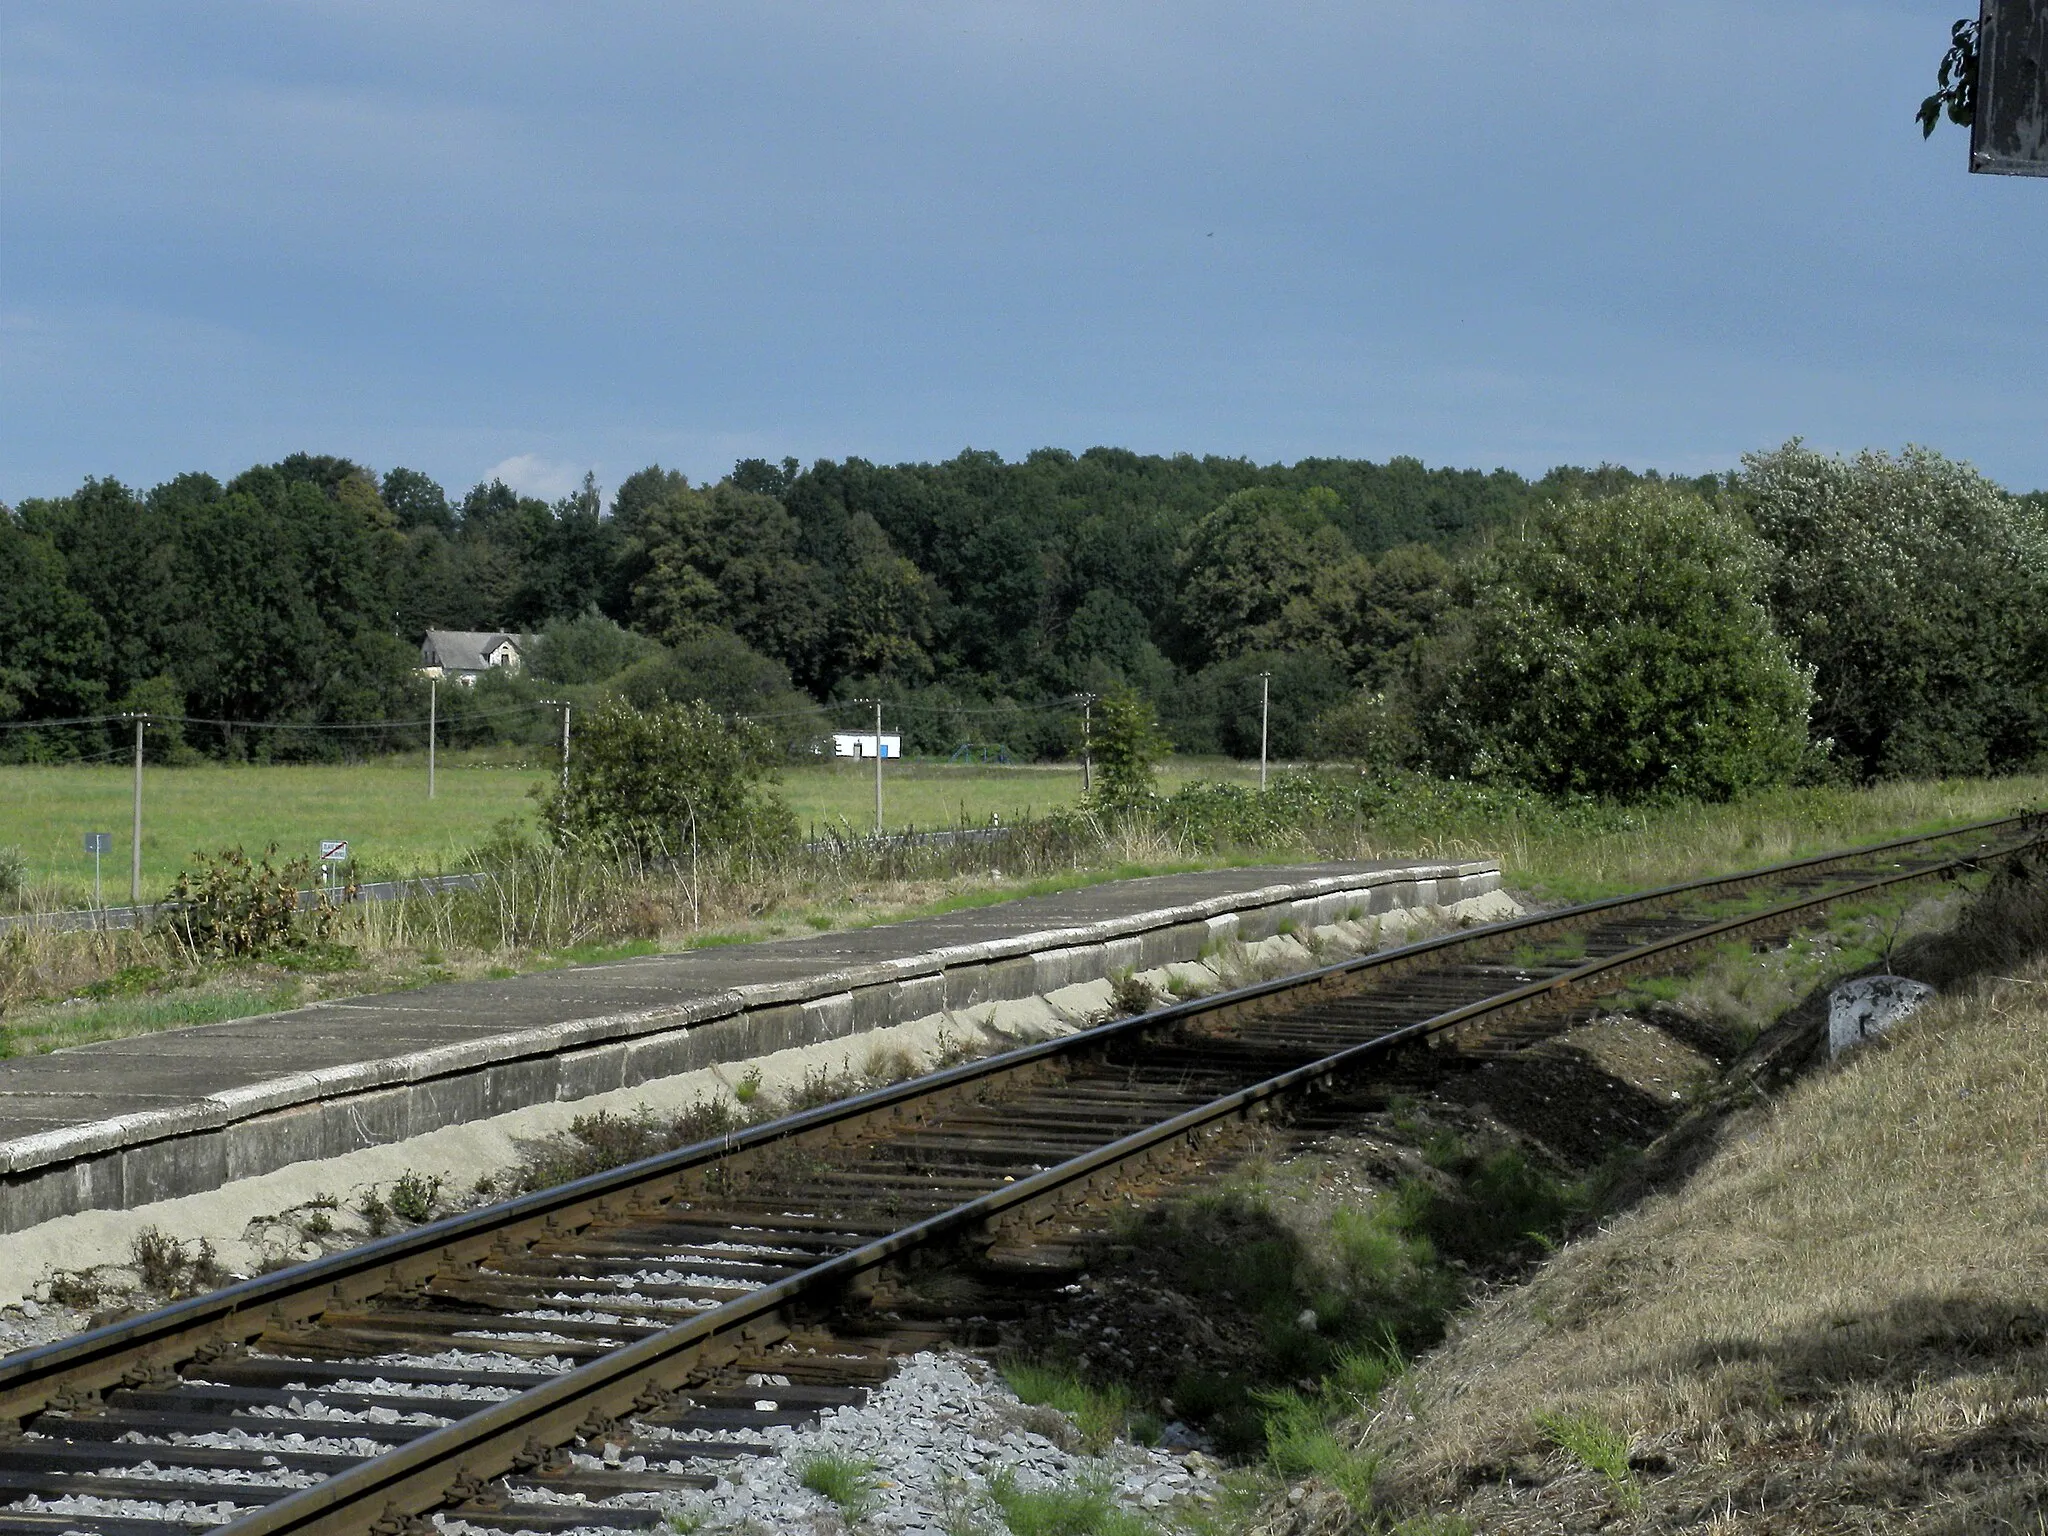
472,1491
398,1522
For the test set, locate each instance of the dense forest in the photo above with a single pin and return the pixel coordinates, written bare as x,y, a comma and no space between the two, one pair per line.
976,596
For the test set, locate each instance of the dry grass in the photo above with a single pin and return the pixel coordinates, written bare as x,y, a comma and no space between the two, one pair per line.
1840,1324
1683,842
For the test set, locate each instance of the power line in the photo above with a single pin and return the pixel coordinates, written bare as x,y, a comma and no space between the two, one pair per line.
151,718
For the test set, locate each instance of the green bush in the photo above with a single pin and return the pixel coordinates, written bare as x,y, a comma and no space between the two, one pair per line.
670,781
1128,748
226,907
1618,648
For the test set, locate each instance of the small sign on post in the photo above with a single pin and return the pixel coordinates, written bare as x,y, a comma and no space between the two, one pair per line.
96,844
333,851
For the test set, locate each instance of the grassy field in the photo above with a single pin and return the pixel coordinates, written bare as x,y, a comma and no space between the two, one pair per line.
392,828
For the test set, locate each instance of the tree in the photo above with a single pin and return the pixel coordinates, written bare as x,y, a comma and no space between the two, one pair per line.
1620,647
1128,747
1918,592
1267,571
882,616
719,669
725,558
1408,591
670,782
417,501
1222,702
572,565
120,555
1107,641
52,645
586,649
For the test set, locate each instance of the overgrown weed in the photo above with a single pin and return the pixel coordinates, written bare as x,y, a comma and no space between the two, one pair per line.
1085,1507
849,1482
1597,1446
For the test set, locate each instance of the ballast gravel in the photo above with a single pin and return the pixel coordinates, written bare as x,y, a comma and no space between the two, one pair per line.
936,1432
87,1509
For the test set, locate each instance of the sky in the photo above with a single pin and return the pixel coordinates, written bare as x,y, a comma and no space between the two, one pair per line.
531,240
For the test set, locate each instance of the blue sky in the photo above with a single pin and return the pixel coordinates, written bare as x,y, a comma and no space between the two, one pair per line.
542,238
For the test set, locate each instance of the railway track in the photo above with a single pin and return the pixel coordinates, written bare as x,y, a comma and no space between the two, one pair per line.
568,1359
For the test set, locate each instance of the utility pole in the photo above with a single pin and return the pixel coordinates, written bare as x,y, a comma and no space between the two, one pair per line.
1087,780
565,751
878,768
1265,706
433,713
135,840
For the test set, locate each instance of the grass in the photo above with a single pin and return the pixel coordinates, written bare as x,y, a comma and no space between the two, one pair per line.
1084,1508
81,1023
1836,1323
1660,845
1597,1446
847,1481
1099,1414
381,807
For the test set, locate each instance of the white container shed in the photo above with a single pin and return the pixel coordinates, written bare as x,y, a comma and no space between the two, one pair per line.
858,744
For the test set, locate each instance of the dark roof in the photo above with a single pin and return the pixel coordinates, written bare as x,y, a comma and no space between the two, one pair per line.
464,650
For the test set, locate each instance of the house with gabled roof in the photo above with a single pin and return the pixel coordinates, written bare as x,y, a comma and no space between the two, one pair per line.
467,654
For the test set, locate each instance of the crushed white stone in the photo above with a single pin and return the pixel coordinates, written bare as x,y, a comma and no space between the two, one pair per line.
936,1431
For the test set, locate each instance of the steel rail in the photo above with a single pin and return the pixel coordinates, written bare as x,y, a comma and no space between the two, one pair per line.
389,1492
125,1352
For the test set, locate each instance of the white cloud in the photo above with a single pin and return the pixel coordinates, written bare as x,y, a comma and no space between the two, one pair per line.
531,475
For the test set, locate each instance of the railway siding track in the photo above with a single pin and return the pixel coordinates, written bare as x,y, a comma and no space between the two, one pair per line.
450,1366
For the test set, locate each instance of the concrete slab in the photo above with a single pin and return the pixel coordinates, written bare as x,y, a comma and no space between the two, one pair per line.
174,1113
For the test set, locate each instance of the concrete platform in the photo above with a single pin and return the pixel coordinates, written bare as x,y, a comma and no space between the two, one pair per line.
124,1123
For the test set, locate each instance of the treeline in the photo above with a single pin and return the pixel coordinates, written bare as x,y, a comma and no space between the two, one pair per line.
977,595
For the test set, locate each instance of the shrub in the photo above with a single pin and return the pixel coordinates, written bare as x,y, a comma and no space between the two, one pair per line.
414,1196
670,780
225,907
166,1269
1130,993
1128,747
1619,648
